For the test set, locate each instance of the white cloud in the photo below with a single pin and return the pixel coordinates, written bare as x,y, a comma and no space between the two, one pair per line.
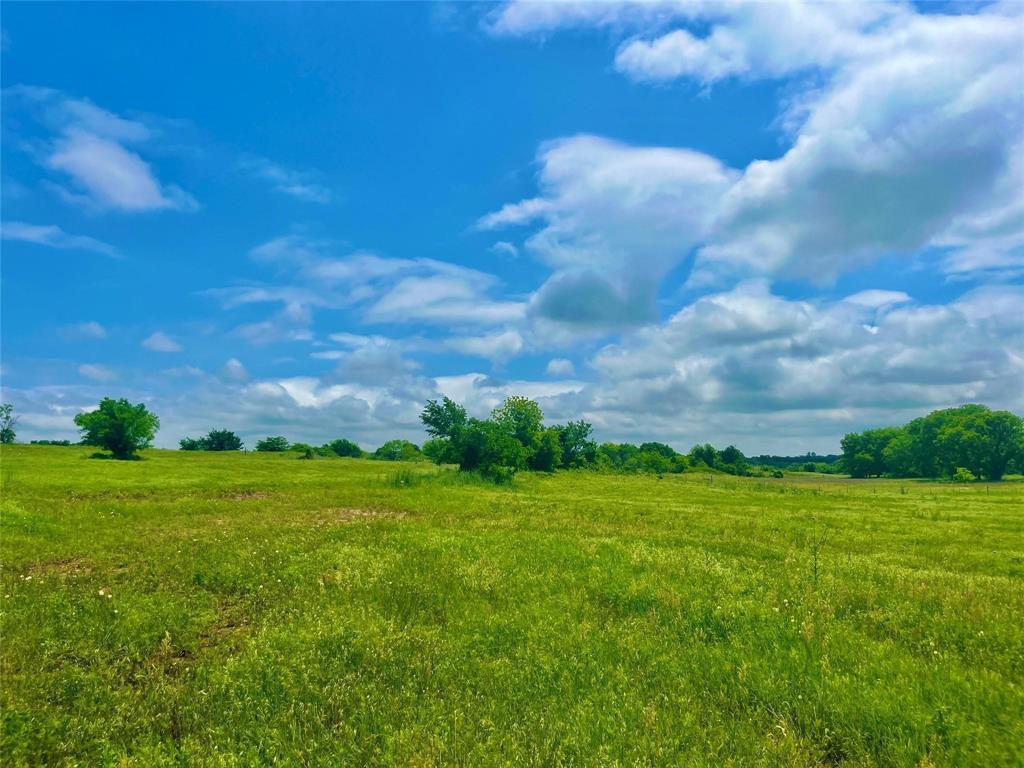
97,372
505,249
161,342
732,360
560,367
87,330
286,181
381,290
499,346
607,208
89,147
233,371
53,237
905,134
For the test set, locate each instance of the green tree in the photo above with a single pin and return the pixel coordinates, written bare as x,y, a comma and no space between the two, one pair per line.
704,454
8,421
191,444
521,417
346,448
578,449
547,455
443,420
487,447
118,426
222,440
274,444
398,450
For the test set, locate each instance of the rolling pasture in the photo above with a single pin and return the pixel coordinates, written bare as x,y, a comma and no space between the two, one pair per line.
255,609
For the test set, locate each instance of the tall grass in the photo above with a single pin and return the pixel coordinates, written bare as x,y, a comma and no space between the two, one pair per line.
250,609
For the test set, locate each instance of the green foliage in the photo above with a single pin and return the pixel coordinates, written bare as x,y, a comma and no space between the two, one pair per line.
578,448
398,450
971,437
705,455
8,421
345,448
547,454
216,440
50,442
964,475
521,418
275,444
118,426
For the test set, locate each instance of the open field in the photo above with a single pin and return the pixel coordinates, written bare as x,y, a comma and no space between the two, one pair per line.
227,609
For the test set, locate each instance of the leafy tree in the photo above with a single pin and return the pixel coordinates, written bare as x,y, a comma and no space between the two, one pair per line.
398,450
222,440
659,448
704,454
345,448
8,421
547,456
275,444
191,444
732,455
443,420
521,417
119,426
864,452
578,449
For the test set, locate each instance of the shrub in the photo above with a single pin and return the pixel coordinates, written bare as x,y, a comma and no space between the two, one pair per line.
345,448
964,475
216,440
398,450
272,445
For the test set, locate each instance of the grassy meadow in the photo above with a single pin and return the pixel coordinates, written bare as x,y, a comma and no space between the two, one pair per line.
255,609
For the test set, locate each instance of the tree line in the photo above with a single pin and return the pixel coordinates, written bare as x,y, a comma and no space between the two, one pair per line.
962,443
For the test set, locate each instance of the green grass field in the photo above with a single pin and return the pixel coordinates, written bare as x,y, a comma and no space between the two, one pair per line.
230,609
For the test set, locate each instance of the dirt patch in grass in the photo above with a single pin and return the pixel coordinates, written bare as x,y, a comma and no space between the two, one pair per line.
246,495
344,515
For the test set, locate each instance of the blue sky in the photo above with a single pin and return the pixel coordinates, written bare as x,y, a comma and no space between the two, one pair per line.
761,224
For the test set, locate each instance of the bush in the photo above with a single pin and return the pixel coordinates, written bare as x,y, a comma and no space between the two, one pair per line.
964,475
777,473
272,445
216,440
398,450
345,448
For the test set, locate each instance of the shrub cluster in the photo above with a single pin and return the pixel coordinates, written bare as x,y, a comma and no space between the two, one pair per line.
215,440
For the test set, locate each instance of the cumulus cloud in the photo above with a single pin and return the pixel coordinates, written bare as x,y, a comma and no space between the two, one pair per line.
604,207
97,153
161,342
904,133
560,367
52,236
749,352
498,347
